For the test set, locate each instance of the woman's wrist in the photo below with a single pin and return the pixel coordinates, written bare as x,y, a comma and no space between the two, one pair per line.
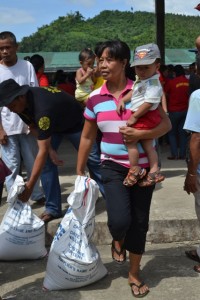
80,173
192,175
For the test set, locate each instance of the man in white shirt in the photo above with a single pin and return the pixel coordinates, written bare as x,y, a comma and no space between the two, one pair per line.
192,181
15,138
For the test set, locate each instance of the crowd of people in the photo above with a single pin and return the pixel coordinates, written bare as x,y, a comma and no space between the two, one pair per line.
114,120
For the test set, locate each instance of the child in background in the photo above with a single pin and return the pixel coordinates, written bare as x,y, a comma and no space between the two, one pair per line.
85,76
64,84
98,78
145,98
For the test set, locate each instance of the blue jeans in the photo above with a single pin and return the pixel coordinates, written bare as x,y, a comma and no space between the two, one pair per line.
177,135
21,146
50,177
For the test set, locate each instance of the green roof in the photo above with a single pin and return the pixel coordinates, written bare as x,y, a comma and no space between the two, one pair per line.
68,61
179,56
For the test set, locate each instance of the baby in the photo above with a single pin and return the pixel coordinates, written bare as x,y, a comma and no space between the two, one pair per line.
145,98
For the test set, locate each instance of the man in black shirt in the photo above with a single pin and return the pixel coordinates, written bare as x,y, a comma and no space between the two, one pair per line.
51,114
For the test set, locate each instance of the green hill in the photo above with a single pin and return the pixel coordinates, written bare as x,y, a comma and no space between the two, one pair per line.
72,32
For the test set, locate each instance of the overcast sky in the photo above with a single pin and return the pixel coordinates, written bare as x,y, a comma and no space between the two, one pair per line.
24,17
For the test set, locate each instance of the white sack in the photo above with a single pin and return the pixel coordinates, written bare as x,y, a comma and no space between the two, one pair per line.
74,261
22,233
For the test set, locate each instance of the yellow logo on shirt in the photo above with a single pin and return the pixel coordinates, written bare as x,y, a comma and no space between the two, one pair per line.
44,123
182,84
52,89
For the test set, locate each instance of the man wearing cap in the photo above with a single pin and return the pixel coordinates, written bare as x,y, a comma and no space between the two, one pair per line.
15,138
52,114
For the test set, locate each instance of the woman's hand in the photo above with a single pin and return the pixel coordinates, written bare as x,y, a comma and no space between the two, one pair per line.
134,135
129,134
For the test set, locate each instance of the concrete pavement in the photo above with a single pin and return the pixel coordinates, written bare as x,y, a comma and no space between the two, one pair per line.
165,269
172,217
173,229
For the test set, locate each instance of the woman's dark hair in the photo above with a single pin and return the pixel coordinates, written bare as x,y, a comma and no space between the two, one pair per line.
37,61
179,70
117,49
96,48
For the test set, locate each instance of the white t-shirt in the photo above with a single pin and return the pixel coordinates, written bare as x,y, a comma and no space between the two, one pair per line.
149,90
23,73
192,121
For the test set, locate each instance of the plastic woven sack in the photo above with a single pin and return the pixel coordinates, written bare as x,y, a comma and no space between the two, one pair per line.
74,261
22,233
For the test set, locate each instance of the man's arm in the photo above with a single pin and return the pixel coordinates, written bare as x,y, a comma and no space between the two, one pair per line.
3,135
190,185
44,146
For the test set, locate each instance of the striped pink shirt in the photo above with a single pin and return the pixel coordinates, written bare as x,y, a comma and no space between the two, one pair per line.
101,108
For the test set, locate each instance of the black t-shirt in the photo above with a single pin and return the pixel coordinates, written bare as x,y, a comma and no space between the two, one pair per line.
52,111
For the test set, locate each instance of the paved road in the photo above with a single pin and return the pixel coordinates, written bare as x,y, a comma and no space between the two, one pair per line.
165,269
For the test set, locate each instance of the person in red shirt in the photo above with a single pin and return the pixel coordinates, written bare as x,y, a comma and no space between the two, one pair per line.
64,84
177,94
38,64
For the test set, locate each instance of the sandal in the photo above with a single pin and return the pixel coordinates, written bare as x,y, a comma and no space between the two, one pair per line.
119,253
151,179
197,268
46,217
192,254
139,286
135,173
